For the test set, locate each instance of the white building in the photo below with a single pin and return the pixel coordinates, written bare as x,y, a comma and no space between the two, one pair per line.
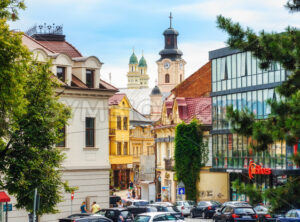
86,142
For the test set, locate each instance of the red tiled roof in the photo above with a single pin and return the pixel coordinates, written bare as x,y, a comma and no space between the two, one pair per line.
106,85
116,99
199,108
77,82
61,47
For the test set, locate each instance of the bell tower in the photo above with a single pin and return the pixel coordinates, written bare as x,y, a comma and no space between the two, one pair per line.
170,65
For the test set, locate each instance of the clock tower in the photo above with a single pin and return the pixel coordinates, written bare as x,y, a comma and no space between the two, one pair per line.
170,65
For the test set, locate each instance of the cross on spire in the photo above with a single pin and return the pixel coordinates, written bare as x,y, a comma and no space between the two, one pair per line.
170,17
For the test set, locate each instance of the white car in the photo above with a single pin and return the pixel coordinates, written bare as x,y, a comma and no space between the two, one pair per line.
155,217
185,206
165,204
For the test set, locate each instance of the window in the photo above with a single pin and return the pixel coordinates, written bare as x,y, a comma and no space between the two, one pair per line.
62,132
89,132
180,78
119,123
89,78
224,74
60,73
119,148
167,78
125,123
125,148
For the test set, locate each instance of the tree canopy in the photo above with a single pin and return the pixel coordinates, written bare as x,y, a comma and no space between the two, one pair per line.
31,117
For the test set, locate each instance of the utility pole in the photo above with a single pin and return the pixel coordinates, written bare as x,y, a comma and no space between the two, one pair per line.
34,205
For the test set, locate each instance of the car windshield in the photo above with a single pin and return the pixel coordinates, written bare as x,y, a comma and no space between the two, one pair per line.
172,209
141,203
141,218
261,209
215,203
244,211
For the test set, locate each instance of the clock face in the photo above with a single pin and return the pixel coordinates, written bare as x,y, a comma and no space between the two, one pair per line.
181,65
167,65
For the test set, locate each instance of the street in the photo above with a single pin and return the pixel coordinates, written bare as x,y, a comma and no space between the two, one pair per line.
198,219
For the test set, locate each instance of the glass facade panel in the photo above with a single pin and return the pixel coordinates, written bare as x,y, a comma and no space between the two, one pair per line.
238,71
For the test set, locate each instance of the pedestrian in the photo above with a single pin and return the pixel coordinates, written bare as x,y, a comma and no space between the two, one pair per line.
133,194
128,194
95,207
130,185
119,203
83,208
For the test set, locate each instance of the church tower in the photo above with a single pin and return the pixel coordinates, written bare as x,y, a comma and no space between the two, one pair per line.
170,65
137,75
143,72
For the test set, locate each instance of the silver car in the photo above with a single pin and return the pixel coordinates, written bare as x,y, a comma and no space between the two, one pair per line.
185,206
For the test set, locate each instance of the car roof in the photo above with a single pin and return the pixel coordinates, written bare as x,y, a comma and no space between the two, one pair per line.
115,208
152,214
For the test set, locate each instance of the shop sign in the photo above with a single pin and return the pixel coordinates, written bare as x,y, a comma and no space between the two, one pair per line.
257,169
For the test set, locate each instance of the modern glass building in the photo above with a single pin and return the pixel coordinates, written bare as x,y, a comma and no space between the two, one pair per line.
237,80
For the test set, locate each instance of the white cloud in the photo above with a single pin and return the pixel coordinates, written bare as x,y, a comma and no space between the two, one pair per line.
268,15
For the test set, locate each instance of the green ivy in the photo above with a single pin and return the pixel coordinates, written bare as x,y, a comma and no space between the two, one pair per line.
191,153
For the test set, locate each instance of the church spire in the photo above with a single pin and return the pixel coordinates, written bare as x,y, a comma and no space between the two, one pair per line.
170,19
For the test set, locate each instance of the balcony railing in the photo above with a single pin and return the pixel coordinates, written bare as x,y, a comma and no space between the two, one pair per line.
169,164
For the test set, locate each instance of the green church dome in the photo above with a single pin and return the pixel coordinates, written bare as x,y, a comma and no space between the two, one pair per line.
133,59
142,62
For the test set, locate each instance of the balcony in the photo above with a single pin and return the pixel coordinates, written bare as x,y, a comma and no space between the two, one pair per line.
169,164
112,132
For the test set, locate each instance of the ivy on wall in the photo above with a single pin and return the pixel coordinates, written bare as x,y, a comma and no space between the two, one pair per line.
191,153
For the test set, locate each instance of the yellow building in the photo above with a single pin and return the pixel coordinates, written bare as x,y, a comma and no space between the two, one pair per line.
119,155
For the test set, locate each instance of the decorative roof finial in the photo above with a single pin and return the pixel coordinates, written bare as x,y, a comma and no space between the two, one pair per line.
170,19
143,52
133,49
156,82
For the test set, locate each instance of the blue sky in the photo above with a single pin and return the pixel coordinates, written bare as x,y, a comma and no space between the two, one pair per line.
109,29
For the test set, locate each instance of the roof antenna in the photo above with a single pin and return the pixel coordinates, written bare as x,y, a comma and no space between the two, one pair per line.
109,78
170,19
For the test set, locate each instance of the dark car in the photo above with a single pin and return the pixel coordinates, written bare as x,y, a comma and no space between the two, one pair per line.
85,218
205,209
115,213
135,210
171,209
263,214
290,216
113,200
235,213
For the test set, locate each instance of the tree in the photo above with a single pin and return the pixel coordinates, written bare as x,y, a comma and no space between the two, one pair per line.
255,194
283,123
191,153
31,117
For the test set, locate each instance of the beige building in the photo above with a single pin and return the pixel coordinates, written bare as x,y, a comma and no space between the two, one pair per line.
86,136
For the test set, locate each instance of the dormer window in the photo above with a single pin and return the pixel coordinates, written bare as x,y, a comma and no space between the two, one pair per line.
90,78
61,73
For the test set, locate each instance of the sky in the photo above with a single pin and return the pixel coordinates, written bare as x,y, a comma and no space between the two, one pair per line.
110,29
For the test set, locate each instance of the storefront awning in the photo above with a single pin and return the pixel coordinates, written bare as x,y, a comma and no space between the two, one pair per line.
4,197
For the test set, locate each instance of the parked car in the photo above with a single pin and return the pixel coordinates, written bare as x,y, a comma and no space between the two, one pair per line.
115,213
138,203
85,218
113,200
156,216
205,209
171,209
236,212
135,210
164,204
290,216
263,214
185,206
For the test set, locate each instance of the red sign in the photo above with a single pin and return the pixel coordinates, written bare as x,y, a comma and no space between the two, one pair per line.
72,195
257,169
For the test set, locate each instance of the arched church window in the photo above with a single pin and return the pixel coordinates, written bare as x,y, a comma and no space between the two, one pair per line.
167,78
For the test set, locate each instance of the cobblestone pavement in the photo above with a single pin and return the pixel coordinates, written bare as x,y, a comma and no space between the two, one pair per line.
197,219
